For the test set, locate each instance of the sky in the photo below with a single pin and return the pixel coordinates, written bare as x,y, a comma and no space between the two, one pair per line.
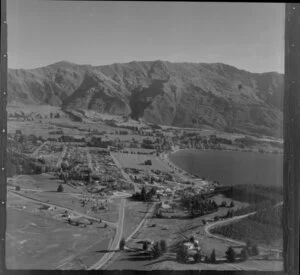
249,36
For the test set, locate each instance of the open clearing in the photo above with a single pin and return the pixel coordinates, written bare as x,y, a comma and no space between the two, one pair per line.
134,213
137,161
42,182
36,241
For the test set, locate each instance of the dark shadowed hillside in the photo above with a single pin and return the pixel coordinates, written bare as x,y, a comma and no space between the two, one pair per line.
180,94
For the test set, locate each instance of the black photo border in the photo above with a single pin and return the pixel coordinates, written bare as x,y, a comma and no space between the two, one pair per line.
291,169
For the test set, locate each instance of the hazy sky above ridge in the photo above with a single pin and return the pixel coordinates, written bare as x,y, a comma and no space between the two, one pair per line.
249,36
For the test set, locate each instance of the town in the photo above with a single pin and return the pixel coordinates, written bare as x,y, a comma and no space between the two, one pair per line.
111,181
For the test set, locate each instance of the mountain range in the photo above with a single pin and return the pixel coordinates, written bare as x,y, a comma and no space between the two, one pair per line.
178,94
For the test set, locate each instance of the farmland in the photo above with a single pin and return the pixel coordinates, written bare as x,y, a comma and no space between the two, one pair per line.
96,179
40,239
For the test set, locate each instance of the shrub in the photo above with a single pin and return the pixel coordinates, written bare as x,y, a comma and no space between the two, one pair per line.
122,244
18,188
60,188
230,254
231,204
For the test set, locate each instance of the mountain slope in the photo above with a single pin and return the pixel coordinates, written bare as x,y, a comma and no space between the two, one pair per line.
180,94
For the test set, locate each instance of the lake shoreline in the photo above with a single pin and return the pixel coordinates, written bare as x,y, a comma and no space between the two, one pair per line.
222,169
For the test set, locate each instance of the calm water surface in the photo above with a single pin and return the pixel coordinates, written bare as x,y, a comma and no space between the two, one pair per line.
231,167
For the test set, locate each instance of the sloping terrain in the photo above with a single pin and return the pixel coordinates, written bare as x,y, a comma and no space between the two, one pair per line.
179,94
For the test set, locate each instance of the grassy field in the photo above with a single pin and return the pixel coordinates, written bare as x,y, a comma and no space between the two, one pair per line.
35,240
256,232
42,182
263,228
168,229
134,213
137,161
74,202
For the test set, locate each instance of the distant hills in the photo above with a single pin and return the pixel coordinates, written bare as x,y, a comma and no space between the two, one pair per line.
178,94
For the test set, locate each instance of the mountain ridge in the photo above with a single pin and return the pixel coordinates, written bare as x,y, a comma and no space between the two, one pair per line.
162,92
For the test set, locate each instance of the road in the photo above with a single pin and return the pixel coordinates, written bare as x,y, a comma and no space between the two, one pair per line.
115,244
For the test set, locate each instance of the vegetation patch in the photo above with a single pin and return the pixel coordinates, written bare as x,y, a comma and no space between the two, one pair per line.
264,227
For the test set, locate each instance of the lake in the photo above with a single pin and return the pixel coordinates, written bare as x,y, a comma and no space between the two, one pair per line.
232,167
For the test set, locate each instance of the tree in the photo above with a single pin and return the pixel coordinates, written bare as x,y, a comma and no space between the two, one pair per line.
148,162
145,246
244,254
206,259
153,191
248,244
230,254
60,188
181,255
156,250
254,250
223,204
212,258
163,246
192,239
197,257
122,244
231,204
143,194
18,188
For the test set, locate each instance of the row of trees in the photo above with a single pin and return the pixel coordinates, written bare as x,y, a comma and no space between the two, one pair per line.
248,250
144,195
199,205
230,254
